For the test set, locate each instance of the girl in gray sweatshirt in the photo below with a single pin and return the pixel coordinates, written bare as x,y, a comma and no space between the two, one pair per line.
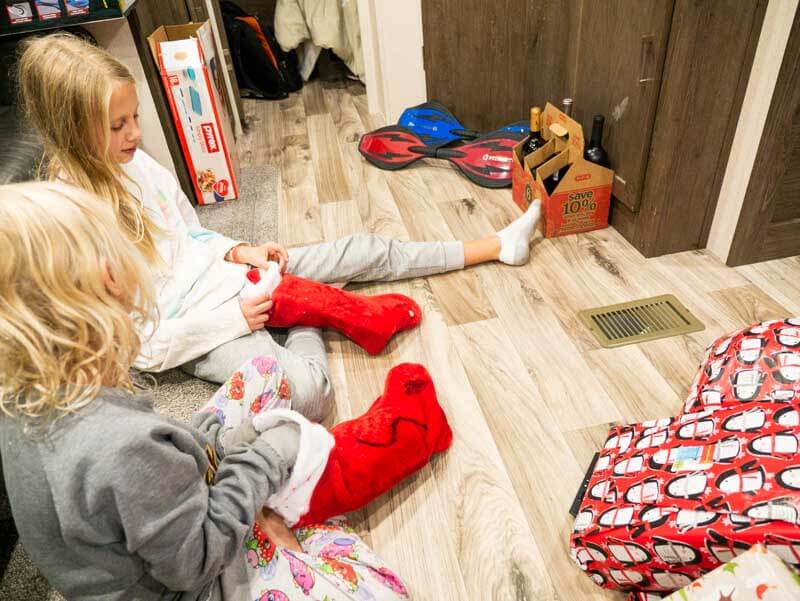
111,500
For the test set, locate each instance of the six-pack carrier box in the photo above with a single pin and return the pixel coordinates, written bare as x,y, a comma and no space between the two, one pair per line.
581,199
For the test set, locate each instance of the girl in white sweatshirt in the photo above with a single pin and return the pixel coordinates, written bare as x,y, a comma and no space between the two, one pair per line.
84,103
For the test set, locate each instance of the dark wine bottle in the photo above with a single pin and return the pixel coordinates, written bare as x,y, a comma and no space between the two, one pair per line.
551,183
535,141
595,152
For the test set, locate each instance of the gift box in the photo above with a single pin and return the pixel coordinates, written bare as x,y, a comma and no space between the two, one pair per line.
756,574
671,499
758,363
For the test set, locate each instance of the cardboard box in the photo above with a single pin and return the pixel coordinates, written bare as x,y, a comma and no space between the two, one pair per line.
756,574
581,201
190,74
671,499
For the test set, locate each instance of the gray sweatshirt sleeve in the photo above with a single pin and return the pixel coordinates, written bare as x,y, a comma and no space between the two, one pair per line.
210,426
183,529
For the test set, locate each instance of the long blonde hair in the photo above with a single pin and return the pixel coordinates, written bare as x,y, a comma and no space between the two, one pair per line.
65,86
63,335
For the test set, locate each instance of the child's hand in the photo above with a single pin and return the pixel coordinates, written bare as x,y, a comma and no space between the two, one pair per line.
256,310
244,433
284,438
276,529
258,256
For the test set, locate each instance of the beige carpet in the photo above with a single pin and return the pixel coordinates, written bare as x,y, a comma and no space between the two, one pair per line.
252,218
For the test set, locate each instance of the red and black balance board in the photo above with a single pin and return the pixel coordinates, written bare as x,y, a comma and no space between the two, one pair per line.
485,160
671,499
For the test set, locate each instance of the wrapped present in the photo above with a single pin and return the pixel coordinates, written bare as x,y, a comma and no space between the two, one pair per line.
761,362
756,574
668,500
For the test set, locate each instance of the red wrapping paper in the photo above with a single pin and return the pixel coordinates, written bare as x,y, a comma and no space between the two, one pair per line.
761,362
671,499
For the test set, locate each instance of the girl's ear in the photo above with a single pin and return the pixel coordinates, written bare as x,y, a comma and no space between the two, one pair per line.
108,280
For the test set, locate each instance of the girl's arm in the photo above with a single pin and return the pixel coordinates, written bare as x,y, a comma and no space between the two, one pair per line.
222,245
185,525
176,341
181,209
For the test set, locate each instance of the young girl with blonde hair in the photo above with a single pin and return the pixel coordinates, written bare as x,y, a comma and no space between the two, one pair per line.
111,500
84,103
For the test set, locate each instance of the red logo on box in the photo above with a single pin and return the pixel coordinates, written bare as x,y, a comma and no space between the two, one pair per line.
210,137
221,188
583,176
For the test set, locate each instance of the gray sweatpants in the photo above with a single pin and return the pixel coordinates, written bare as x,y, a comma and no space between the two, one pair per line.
357,258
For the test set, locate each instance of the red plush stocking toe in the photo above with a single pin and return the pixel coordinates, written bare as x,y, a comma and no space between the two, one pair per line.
393,439
369,321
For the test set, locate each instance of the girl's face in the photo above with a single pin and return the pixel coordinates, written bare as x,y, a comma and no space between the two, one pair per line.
123,113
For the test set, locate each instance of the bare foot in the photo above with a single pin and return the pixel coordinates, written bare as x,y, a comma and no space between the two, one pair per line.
276,529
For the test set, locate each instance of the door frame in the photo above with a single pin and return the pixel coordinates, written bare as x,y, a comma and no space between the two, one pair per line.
391,41
745,175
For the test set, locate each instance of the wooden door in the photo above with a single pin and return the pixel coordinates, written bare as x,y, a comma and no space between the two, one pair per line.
769,223
706,69
621,49
489,62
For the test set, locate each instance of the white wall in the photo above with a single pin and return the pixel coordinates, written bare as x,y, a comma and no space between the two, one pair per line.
391,38
116,37
758,97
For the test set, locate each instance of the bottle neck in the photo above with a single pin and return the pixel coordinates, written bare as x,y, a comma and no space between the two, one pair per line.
597,133
536,123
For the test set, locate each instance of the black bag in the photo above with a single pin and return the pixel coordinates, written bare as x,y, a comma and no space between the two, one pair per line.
263,69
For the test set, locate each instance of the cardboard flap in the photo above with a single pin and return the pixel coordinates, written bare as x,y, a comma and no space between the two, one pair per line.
551,166
584,174
553,115
170,33
539,156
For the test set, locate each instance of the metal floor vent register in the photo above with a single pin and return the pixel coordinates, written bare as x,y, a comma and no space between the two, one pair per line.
640,321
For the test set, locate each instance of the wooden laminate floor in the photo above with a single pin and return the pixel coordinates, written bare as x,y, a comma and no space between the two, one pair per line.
528,391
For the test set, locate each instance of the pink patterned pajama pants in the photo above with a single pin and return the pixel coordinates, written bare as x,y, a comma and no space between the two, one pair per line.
335,564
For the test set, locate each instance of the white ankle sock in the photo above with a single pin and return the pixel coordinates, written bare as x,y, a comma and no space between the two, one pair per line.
515,239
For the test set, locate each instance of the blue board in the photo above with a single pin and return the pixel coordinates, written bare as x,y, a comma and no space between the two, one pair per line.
437,126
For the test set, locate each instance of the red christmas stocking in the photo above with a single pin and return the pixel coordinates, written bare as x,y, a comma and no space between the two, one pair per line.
392,440
369,321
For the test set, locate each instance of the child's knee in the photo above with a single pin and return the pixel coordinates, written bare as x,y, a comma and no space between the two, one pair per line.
312,393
